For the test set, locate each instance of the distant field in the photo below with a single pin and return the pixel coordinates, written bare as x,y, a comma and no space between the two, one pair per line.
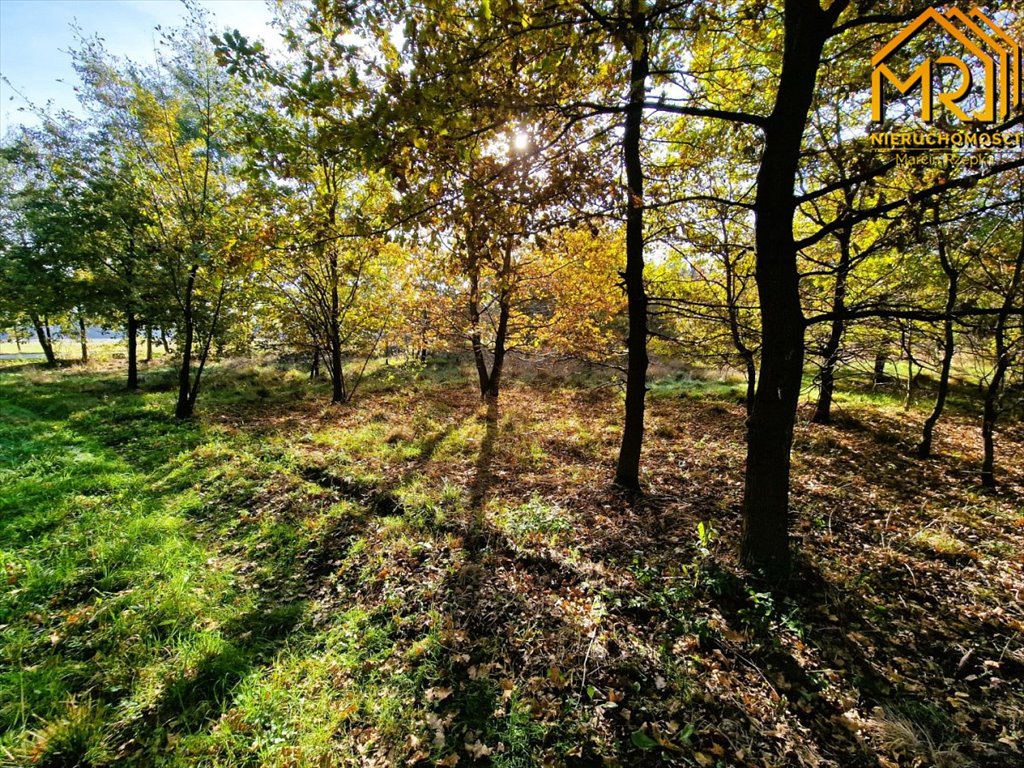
70,349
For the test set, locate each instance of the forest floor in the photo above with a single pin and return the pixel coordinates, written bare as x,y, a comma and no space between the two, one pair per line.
410,580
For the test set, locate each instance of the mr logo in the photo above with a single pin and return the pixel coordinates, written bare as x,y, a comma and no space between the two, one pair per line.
994,56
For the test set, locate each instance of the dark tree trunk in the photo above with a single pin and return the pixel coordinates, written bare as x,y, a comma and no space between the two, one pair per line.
475,340
187,383
501,336
205,350
186,404
133,349
44,339
878,373
489,381
995,385
746,355
627,472
924,448
988,428
827,377
149,343
163,341
751,383
334,334
314,366
765,537
83,338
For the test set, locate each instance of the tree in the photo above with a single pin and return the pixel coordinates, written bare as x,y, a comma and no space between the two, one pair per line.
176,124
36,266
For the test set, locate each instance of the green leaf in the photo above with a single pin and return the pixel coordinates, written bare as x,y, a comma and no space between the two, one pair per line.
642,740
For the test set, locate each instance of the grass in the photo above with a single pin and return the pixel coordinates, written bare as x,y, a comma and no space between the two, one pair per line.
400,581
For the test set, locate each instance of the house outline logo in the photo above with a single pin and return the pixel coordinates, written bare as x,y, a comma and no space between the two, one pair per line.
998,54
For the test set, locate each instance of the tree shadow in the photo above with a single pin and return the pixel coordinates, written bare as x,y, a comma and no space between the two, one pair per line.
201,692
483,476
895,655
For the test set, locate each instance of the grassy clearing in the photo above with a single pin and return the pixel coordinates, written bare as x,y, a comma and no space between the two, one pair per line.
403,581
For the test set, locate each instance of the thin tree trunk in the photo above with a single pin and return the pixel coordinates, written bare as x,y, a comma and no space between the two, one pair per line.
734,329
924,448
823,409
83,338
878,373
475,340
133,350
988,427
184,407
163,341
44,339
205,350
314,367
334,329
751,383
504,309
627,472
765,538
149,343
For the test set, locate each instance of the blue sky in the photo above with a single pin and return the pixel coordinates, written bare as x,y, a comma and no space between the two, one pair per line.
35,36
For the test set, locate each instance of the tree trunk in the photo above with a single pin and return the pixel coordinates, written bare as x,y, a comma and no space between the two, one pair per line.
163,341
988,428
504,309
475,340
186,404
83,338
765,538
924,448
489,381
746,355
314,366
751,383
44,339
823,409
627,472
149,343
334,330
878,374
133,350
205,351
